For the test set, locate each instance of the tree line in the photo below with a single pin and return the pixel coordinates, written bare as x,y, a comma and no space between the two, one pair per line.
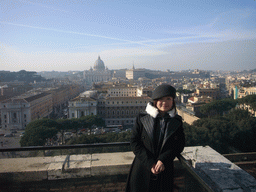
39,131
225,126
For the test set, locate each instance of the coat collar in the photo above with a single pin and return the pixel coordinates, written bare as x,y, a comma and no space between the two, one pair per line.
153,111
149,120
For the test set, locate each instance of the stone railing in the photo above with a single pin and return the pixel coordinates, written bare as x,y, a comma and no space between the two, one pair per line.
210,170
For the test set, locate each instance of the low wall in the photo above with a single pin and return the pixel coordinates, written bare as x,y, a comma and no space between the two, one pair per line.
107,169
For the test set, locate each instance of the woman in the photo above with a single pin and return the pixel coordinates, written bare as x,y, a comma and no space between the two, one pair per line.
157,138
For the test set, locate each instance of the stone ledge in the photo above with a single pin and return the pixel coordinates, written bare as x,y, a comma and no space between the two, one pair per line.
217,171
51,168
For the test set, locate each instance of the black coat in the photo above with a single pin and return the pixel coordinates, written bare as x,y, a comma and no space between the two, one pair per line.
145,155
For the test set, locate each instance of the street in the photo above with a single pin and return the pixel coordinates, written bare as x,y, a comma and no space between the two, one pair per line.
9,142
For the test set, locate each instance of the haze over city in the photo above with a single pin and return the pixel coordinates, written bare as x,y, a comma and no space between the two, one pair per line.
63,35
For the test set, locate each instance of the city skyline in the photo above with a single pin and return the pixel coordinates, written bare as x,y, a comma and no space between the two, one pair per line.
158,35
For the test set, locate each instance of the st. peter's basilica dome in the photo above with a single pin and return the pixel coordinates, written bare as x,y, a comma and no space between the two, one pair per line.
99,65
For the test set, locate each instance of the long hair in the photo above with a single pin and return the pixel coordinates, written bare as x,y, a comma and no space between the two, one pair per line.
173,105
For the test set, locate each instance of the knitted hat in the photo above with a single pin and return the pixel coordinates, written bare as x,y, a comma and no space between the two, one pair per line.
163,91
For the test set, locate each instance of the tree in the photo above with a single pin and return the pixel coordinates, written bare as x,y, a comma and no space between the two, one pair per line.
236,128
42,122
64,125
218,107
38,136
92,120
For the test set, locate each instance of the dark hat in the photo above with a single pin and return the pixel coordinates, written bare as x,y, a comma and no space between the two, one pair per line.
163,91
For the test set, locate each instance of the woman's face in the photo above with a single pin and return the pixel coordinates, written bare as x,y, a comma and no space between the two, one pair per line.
164,104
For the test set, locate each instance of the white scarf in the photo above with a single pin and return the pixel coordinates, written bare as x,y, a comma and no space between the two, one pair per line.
153,111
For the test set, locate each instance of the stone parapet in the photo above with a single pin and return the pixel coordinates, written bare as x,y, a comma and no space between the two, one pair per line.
218,172
52,168
215,170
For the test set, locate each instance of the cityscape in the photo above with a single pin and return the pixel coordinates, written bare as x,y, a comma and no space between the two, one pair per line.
75,76
117,96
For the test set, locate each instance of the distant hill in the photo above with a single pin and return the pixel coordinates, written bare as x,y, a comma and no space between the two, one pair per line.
26,76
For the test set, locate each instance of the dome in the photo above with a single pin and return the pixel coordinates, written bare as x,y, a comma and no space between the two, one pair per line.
99,65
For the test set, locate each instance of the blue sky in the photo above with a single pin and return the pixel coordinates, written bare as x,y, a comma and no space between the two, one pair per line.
64,35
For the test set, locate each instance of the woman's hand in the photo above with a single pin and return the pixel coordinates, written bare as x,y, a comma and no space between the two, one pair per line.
158,167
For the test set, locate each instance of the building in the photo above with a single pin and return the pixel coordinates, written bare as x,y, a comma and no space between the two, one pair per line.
135,74
115,110
98,73
244,91
17,112
122,110
123,91
82,106
184,98
202,99
61,96
213,93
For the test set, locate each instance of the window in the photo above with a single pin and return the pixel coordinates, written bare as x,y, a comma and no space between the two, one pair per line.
25,116
73,115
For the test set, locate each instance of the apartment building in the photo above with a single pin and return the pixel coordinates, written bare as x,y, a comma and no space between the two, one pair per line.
114,110
244,91
122,91
129,91
213,93
17,112
122,110
61,95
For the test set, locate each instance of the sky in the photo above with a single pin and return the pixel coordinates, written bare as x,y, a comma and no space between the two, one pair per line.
69,35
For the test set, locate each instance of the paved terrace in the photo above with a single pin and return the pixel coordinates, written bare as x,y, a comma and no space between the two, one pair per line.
212,170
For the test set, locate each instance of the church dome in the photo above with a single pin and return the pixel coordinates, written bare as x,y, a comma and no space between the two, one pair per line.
99,65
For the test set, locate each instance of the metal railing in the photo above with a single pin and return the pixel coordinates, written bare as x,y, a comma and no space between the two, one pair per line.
77,146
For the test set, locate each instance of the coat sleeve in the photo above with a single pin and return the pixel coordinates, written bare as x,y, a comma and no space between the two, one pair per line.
138,148
175,147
